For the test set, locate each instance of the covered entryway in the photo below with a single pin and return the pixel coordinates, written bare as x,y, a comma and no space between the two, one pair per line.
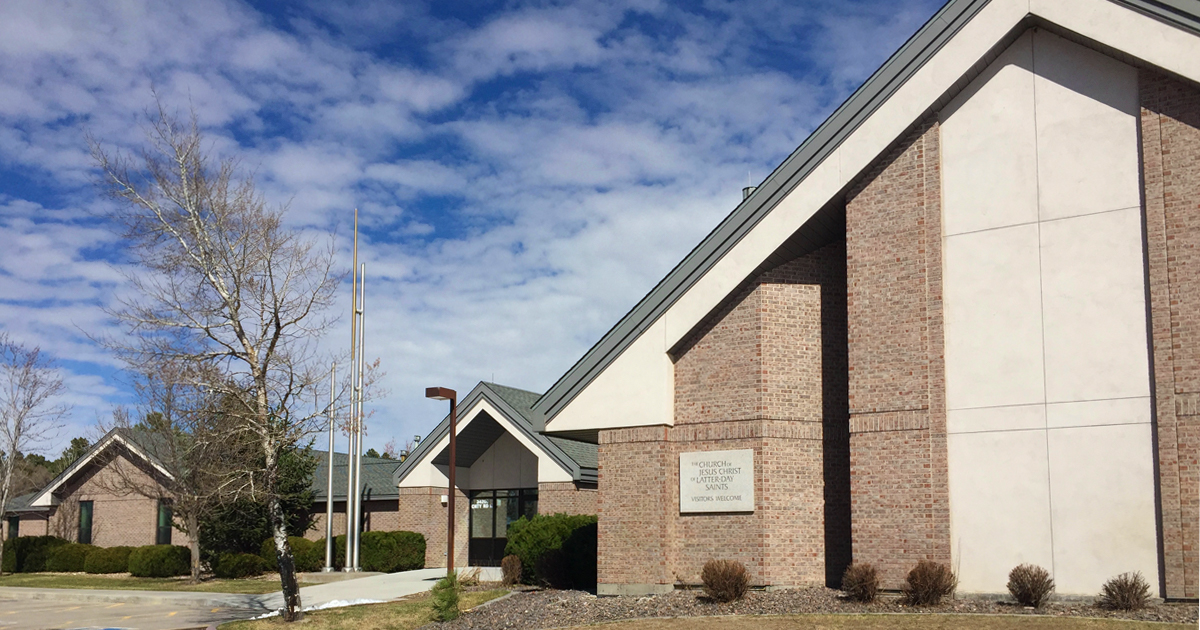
492,511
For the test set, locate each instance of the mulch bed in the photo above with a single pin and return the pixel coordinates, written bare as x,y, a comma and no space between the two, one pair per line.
554,609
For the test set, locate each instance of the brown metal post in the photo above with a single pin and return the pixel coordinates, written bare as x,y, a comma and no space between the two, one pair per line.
450,500
445,393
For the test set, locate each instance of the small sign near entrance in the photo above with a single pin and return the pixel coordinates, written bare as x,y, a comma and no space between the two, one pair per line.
716,481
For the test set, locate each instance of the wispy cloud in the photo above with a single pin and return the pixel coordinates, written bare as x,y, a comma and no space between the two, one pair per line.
525,173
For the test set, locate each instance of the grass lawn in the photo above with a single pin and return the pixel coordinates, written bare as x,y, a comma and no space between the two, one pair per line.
264,584
886,622
403,615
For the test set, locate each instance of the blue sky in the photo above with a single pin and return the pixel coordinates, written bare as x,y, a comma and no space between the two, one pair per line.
526,171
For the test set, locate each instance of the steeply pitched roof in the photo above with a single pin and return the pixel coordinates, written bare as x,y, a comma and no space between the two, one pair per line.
580,458
376,476
819,145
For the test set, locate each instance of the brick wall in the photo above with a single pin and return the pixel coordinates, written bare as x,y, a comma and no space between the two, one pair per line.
1170,133
421,510
899,491
121,513
759,373
378,515
566,497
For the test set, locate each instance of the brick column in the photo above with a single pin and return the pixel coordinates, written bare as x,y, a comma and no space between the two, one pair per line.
899,485
421,510
1170,134
753,375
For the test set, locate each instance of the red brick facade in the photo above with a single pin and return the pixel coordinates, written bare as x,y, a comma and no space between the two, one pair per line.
898,469
566,497
1170,133
750,376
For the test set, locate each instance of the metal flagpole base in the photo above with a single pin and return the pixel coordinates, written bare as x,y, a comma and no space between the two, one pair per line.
326,569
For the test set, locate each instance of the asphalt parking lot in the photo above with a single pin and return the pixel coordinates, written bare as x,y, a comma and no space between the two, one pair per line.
51,615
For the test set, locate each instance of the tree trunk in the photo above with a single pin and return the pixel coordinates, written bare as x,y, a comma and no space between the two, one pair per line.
287,566
193,536
7,471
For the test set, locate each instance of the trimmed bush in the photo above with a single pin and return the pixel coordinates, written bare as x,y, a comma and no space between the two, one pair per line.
392,551
302,554
860,582
724,580
1128,591
574,565
234,566
108,560
68,558
445,599
339,552
510,568
160,561
28,554
1030,585
928,584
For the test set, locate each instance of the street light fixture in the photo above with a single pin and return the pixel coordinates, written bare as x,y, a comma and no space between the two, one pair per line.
445,393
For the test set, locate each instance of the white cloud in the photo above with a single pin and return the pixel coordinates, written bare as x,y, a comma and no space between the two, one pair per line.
524,177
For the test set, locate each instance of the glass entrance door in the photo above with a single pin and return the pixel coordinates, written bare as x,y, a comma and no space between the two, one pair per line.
491,513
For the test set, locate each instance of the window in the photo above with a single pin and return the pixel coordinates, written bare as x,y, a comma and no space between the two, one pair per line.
162,533
85,522
14,526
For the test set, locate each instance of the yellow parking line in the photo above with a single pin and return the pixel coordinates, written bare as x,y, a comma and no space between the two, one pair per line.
73,608
126,617
172,613
115,605
214,610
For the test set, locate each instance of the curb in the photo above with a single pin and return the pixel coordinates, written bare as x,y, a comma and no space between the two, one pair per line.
212,600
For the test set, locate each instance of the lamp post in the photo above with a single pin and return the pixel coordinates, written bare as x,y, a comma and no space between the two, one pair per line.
444,393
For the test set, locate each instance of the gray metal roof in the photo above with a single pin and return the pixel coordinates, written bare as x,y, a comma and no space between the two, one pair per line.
376,476
820,144
580,458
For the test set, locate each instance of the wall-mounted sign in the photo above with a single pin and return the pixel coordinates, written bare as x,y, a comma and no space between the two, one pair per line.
716,481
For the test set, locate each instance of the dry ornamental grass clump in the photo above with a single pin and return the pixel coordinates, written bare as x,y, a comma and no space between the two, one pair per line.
1128,591
928,584
510,568
725,580
1030,585
860,582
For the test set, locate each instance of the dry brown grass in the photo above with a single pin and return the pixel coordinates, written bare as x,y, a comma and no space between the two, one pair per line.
402,615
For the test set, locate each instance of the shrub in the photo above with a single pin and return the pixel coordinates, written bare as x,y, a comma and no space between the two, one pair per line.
160,561
1128,591
724,580
392,551
302,554
317,553
108,560
469,578
510,568
445,599
239,565
860,582
1030,585
575,566
68,558
28,554
928,584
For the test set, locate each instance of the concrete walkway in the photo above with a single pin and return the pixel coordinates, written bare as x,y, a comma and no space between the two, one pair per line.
377,587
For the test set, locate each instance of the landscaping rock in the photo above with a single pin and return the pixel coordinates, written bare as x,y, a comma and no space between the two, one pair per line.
555,609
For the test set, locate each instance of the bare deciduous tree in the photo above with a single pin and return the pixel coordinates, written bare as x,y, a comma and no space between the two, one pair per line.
222,281
29,387
180,429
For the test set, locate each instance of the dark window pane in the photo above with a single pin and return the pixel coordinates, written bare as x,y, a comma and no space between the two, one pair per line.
14,526
482,509
163,531
85,522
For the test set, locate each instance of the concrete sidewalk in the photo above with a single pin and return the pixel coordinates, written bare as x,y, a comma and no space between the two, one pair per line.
378,587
